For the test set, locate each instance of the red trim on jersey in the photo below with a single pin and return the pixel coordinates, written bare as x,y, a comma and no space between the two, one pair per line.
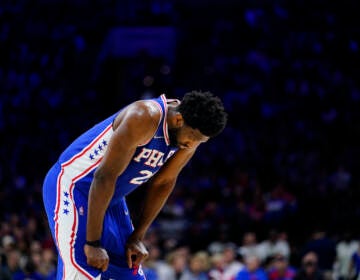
165,126
73,261
89,147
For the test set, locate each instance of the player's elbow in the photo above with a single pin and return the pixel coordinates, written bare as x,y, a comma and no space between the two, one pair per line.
164,183
102,177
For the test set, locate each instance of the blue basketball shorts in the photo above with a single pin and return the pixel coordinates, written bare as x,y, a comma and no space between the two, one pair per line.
66,209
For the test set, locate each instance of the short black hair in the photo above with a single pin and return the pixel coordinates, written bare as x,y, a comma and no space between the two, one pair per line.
203,111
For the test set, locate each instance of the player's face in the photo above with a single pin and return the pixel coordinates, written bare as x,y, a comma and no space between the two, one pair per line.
186,137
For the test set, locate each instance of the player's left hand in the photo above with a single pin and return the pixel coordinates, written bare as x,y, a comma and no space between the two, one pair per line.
135,252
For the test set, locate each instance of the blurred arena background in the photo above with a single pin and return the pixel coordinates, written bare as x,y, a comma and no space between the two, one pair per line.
277,191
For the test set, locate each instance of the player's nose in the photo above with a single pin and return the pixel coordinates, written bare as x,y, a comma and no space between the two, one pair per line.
189,144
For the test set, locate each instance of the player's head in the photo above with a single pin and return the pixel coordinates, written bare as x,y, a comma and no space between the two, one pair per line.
201,115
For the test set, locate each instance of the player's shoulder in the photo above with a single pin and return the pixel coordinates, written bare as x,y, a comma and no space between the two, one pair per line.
147,107
142,113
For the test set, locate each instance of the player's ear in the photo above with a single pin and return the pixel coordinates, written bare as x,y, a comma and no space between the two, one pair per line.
179,121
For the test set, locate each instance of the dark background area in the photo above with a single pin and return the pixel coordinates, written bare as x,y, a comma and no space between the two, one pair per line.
287,71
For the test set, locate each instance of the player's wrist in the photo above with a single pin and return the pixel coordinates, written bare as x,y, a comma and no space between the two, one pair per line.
94,243
137,235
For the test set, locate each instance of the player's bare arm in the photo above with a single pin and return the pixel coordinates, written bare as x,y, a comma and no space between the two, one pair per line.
134,126
159,188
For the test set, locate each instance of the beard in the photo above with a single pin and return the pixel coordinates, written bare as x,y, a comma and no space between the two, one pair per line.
173,132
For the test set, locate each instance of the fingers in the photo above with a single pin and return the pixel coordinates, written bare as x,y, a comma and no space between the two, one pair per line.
136,257
128,258
101,264
98,259
105,266
106,263
135,253
137,261
139,258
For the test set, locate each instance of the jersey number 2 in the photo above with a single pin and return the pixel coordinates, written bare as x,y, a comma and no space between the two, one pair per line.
141,179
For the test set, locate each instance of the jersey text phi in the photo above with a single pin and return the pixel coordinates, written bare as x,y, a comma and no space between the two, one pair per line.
83,156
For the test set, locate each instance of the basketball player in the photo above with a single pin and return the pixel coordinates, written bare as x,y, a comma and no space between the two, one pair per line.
149,141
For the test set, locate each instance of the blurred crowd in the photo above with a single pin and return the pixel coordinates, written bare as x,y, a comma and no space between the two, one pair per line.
275,196
269,259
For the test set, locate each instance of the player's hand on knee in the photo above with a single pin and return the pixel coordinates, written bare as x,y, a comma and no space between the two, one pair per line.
96,257
135,252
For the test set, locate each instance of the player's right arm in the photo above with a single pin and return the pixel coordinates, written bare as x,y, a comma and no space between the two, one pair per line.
135,125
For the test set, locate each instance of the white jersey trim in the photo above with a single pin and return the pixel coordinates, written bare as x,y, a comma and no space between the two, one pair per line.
66,223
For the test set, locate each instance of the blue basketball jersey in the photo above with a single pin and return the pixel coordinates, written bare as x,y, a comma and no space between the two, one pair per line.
80,160
65,194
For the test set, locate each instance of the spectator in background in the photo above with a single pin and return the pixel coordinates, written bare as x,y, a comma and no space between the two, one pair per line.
4,271
249,245
8,243
28,272
252,270
49,262
198,267
272,246
231,265
34,264
355,264
340,180
218,245
217,267
280,270
345,250
309,269
178,260
279,203
15,263
324,248
257,207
